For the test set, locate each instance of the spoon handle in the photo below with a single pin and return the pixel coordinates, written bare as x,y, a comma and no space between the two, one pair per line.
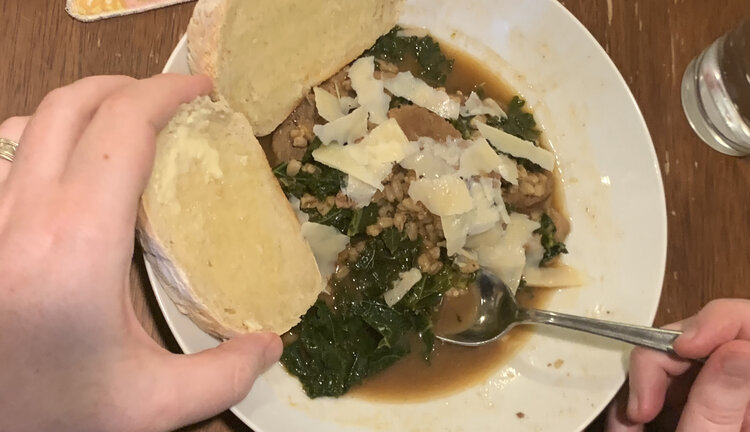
658,339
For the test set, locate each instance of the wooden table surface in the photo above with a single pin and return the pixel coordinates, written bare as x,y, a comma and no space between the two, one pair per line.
650,41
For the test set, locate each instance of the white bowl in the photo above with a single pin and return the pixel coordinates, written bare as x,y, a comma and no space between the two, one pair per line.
615,198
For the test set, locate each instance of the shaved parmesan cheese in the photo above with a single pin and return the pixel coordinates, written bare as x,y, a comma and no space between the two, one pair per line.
493,190
326,243
405,85
328,105
369,90
443,196
412,31
534,252
455,230
360,192
424,161
553,277
348,103
450,150
401,287
517,147
434,159
478,159
346,129
489,238
508,169
484,215
507,258
370,160
476,106
302,217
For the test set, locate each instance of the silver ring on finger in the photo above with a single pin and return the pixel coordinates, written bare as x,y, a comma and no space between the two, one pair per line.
8,149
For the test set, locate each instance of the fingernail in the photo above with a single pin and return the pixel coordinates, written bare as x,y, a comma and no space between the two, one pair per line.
736,368
632,409
690,332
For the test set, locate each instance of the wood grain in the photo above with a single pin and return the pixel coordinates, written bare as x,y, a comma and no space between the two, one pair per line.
651,42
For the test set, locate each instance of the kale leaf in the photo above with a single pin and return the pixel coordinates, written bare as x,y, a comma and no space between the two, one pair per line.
463,125
552,247
391,47
336,217
324,182
398,101
434,66
517,122
361,219
334,351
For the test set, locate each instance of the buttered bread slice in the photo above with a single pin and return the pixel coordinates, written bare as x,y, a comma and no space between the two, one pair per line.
265,55
218,231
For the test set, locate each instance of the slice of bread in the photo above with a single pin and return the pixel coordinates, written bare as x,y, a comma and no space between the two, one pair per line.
264,55
218,231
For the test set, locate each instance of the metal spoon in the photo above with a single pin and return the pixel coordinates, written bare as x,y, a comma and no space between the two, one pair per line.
499,312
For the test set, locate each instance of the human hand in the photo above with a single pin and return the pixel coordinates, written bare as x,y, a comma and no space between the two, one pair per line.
714,397
73,356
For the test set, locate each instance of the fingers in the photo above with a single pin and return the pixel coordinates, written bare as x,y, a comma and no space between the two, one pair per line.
651,373
11,129
721,393
113,160
204,384
617,417
719,322
59,121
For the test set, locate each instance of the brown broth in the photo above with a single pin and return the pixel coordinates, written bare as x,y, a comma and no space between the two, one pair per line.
451,369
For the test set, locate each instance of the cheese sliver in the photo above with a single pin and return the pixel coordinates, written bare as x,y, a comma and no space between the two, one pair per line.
328,105
326,243
360,192
402,286
507,258
455,230
508,169
490,237
370,160
348,103
444,196
302,217
517,147
484,215
405,85
426,164
493,191
478,159
370,91
553,277
476,106
346,129
434,159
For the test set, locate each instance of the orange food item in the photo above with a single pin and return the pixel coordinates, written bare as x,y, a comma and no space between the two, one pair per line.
91,10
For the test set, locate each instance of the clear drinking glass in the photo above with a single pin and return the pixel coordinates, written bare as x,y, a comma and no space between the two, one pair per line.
716,93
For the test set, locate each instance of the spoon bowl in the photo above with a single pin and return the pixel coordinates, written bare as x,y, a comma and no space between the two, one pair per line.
498,312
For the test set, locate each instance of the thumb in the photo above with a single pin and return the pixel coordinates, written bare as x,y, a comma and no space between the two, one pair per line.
721,392
207,383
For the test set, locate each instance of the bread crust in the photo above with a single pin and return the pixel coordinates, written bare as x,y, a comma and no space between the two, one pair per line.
206,44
